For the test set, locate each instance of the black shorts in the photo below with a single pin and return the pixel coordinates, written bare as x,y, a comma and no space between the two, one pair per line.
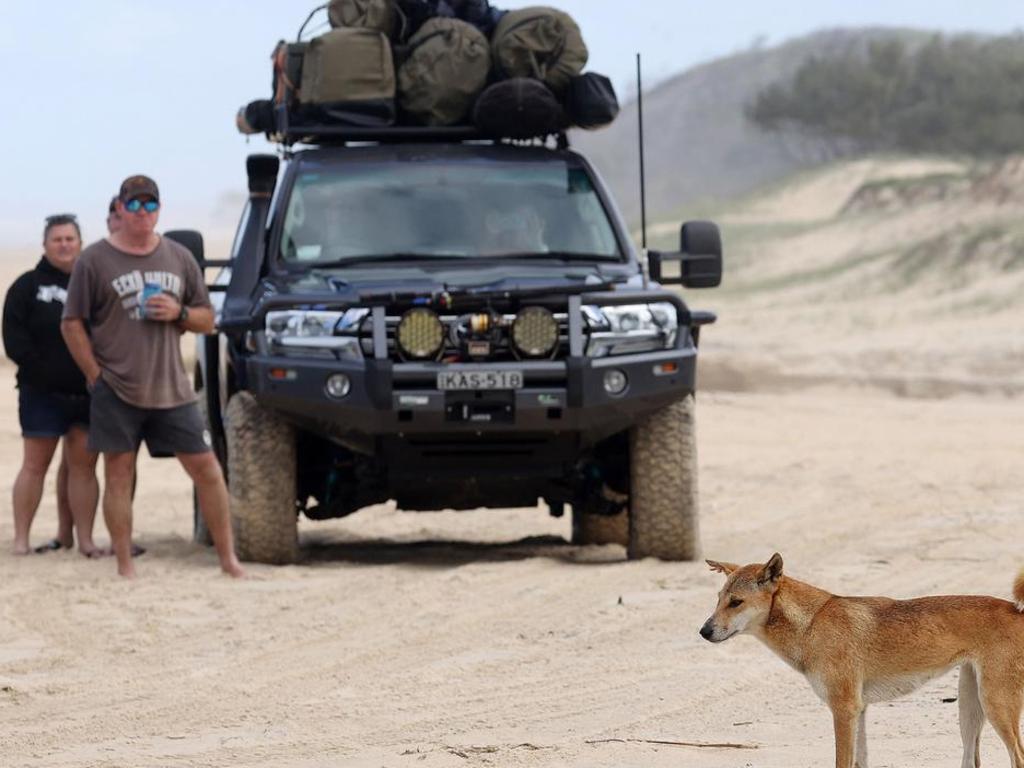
119,427
50,414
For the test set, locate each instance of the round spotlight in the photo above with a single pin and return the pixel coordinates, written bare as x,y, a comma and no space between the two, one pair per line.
535,332
615,382
420,334
338,386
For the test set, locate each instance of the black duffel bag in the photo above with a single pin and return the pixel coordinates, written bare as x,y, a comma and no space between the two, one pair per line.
479,13
413,14
256,117
519,108
590,101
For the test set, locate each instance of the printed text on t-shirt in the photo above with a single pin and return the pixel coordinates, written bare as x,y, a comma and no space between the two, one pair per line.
129,286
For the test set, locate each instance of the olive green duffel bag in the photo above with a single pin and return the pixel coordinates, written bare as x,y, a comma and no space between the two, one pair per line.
446,67
348,65
378,15
539,42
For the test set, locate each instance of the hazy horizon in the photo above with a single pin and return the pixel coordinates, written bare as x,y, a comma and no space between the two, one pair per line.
114,88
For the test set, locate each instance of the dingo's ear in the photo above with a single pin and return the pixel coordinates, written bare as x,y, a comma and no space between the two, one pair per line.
725,568
772,569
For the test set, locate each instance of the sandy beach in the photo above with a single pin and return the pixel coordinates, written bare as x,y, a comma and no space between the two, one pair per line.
484,639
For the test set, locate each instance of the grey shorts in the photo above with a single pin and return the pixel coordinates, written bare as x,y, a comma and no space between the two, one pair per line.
119,427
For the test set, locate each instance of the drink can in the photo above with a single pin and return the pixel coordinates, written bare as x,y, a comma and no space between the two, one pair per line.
149,290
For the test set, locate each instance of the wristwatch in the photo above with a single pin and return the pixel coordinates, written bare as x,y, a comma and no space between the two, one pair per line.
183,315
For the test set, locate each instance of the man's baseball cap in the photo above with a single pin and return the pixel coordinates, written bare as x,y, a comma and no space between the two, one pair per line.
136,186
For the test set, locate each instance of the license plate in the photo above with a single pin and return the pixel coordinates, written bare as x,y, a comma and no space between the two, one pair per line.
483,380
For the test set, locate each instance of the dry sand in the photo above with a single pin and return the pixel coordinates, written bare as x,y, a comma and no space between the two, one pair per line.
483,639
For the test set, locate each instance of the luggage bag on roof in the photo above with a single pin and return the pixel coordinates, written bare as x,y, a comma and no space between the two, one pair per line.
520,108
378,15
446,67
256,117
590,101
348,75
437,73
287,59
539,42
414,13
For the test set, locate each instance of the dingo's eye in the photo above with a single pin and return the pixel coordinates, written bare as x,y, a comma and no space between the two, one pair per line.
735,603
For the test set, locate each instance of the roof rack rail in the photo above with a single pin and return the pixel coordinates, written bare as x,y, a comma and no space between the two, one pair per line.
340,133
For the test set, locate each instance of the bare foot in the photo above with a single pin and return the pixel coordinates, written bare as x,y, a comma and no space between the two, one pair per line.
234,569
94,552
20,549
126,570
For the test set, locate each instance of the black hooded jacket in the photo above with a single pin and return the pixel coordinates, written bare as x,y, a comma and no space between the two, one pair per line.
32,339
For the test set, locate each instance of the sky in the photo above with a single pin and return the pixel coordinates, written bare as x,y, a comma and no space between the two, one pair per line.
96,90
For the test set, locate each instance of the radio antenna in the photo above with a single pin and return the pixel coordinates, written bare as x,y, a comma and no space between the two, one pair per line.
643,175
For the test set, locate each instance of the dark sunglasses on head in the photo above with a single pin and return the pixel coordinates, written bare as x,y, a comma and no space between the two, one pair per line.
135,205
61,218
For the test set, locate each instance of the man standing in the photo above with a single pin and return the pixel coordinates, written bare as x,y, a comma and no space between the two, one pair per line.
138,291
113,219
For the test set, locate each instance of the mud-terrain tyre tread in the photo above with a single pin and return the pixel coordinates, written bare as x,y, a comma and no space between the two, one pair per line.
663,520
261,471
200,533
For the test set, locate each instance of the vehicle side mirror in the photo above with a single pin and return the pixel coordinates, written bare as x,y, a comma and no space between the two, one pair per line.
699,258
190,239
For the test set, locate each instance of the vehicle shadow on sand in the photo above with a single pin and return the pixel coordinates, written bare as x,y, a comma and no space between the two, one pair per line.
446,553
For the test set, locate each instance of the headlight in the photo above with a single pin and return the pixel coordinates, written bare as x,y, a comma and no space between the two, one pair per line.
420,334
631,328
333,334
535,332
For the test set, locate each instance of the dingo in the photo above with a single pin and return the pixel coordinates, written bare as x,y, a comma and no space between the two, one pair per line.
856,651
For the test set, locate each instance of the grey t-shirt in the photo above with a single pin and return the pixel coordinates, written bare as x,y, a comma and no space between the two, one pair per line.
141,359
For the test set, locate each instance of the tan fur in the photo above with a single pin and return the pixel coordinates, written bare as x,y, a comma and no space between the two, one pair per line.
856,651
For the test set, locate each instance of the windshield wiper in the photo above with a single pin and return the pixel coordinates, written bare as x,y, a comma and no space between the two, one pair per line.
384,258
558,256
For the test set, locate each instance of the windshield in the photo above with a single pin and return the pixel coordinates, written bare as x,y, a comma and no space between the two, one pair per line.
444,209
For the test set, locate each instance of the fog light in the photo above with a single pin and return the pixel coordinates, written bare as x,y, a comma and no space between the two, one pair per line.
420,334
615,382
338,386
535,332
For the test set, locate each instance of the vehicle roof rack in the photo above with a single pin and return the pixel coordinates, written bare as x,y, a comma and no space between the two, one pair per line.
340,133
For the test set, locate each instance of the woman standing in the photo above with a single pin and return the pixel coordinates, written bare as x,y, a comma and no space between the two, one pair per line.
52,399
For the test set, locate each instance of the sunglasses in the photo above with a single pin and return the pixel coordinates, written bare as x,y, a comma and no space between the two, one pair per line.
135,205
61,218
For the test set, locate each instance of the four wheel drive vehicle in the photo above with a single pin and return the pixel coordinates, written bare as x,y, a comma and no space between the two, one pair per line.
452,324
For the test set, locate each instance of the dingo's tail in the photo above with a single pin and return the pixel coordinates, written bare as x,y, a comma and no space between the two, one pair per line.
1018,591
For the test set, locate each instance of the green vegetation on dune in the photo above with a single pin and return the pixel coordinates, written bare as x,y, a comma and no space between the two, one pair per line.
958,95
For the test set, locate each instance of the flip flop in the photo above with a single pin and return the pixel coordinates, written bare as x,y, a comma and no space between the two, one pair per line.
51,546
137,551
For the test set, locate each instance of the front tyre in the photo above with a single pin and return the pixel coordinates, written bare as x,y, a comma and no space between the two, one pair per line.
261,472
663,515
